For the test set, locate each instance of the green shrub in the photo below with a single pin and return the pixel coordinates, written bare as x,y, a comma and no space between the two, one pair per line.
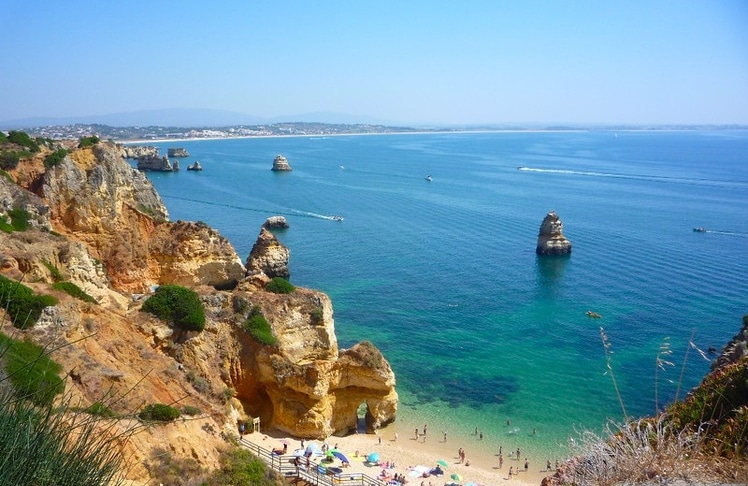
158,412
19,219
5,227
177,305
88,141
190,410
259,328
9,160
199,383
75,291
3,137
23,139
56,275
55,158
32,373
239,467
100,410
279,285
6,176
23,307
317,316
227,394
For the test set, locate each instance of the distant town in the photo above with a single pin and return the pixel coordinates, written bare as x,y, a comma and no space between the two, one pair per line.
124,134
146,133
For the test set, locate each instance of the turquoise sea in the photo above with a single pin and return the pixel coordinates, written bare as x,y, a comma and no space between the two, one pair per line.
442,276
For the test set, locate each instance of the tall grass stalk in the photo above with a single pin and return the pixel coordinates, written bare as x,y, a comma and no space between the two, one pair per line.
640,452
608,354
660,363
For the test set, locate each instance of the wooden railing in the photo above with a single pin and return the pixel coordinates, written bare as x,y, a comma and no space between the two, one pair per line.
316,474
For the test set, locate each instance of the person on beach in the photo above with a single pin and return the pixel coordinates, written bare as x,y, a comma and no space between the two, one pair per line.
445,436
424,429
501,461
480,436
518,454
499,450
527,464
510,472
476,431
416,433
395,436
548,465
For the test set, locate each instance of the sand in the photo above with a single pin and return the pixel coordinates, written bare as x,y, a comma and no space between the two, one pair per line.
407,452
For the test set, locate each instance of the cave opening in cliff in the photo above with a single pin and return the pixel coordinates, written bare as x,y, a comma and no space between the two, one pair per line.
361,415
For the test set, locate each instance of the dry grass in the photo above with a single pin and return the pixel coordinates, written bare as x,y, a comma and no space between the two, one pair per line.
648,451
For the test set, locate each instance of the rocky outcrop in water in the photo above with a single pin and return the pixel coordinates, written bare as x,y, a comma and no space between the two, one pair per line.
275,222
268,258
177,152
551,239
138,151
280,164
157,164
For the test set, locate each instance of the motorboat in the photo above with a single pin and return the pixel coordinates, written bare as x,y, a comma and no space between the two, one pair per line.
337,218
593,314
428,178
700,229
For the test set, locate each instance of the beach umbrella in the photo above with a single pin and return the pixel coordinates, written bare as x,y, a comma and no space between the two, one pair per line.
373,457
456,477
442,463
340,456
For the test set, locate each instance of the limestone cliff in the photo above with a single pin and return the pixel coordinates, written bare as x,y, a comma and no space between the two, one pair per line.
268,258
138,151
111,236
551,239
96,197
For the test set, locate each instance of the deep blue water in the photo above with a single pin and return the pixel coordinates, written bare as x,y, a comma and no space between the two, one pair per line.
442,276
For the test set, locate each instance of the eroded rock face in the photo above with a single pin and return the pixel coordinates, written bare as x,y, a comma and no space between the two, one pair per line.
111,237
551,239
138,151
112,208
268,258
736,349
304,386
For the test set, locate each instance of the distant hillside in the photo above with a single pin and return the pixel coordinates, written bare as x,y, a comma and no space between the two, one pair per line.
186,117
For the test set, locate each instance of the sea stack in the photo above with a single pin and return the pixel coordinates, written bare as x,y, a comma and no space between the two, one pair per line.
275,222
551,239
280,164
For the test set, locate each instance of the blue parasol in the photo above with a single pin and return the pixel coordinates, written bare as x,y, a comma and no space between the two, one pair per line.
340,456
373,457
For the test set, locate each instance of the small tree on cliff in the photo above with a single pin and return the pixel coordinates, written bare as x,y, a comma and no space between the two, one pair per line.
177,305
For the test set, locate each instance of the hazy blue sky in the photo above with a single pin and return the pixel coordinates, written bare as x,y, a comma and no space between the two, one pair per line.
458,61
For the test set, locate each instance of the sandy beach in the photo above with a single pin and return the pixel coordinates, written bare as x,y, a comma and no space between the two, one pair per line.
406,452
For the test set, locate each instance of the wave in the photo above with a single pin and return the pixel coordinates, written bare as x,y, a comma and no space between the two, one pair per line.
726,233
282,212
652,178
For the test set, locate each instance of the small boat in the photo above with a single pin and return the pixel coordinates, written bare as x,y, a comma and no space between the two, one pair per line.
337,218
428,178
700,229
593,314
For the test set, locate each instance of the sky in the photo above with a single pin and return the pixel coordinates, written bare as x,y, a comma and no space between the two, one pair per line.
404,61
